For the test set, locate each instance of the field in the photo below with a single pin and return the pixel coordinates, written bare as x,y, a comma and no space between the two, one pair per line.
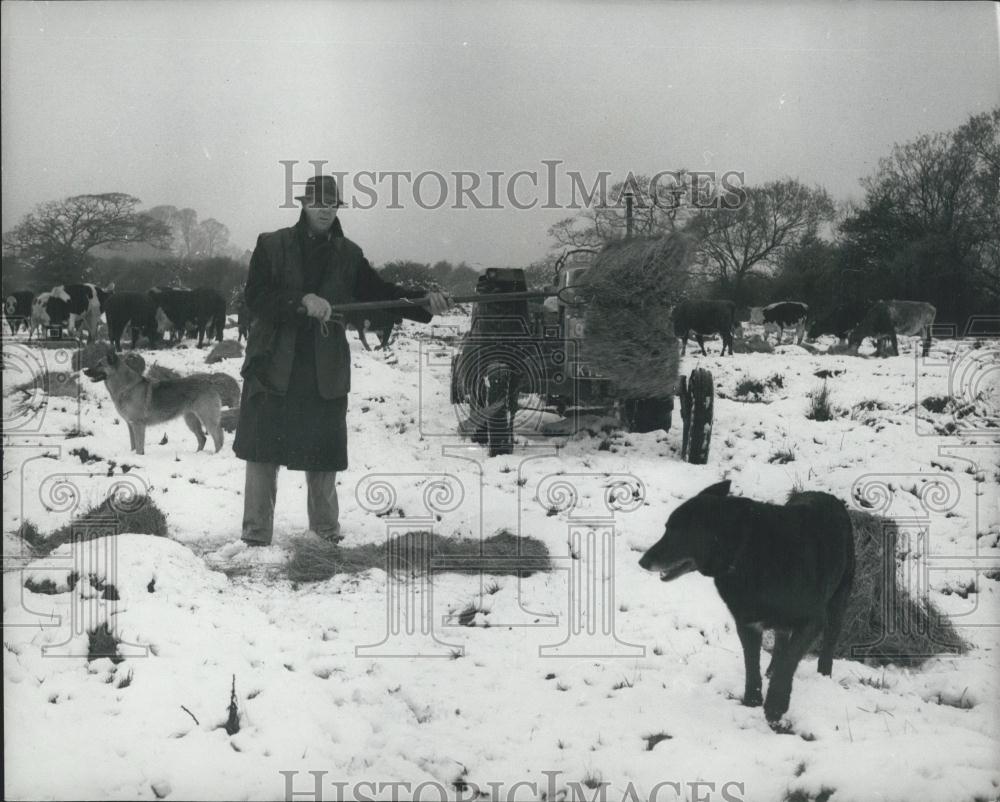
237,681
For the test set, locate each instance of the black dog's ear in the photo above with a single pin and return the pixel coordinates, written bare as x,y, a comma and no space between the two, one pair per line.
720,489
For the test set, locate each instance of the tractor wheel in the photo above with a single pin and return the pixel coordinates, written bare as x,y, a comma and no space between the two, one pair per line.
502,403
697,409
648,414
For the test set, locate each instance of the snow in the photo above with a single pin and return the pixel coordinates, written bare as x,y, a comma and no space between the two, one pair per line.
530,692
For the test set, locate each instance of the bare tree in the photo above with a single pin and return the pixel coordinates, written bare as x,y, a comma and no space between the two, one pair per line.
56,237
214,236
930,222
737,243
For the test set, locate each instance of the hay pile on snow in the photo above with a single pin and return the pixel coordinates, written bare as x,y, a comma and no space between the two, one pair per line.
629,291
227,349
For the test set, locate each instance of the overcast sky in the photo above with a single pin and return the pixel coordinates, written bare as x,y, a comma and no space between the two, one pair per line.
197,104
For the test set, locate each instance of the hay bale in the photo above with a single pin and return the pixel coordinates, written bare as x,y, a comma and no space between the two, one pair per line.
629,291
227,349
884,622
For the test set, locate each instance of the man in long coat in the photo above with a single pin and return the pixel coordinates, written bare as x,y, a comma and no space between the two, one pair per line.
297,371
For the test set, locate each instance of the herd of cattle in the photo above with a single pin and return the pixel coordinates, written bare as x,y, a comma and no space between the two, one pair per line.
160,311
79,307
177,312
850,323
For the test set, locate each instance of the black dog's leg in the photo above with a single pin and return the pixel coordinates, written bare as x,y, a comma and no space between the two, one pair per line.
750,638
835,610
779,691
780,643
701,344
684,346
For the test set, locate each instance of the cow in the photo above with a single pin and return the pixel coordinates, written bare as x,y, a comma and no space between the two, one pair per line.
132,310
886,319
705,317
17,310
242,318
48,311
791,314
840,321
210,313
175,309
84,302
380,321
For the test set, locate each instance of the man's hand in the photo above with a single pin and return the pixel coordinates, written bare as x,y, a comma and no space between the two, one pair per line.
439,302
316,307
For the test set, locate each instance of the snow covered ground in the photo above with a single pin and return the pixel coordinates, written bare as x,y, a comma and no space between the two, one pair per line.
595,672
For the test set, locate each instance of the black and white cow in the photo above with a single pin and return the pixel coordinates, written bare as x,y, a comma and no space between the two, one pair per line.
782,315
17,310
85,304
48,312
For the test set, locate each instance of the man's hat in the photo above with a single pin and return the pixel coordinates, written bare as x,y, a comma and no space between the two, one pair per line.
321,189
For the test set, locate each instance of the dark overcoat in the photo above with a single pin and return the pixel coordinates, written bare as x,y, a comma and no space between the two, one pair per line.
296,375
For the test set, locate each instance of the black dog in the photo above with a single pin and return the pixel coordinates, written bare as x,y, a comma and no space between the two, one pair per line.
788,568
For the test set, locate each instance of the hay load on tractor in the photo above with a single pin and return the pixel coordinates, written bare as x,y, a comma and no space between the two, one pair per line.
602,341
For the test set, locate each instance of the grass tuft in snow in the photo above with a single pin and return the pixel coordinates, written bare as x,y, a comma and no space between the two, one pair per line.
884,622
138,516
232,725
753,390
820,408
315,560
800,795
102,642
782,456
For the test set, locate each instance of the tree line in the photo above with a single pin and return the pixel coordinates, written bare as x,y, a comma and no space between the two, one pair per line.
927,229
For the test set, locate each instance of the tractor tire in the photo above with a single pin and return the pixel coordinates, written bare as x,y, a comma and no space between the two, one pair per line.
500,421
697,411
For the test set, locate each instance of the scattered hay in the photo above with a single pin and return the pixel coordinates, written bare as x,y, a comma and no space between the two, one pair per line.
315,560
629,292
884,623
28,532
138,516
55,383
227,349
